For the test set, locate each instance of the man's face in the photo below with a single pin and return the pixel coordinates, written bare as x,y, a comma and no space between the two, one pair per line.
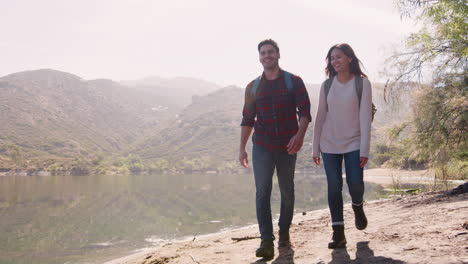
269,56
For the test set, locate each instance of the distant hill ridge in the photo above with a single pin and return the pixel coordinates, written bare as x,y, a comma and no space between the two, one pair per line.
51,114
50,117
180,89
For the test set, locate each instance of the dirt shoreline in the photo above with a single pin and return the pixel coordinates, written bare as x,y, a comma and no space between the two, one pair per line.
423,228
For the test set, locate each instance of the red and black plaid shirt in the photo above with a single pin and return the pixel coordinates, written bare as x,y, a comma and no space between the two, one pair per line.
276,110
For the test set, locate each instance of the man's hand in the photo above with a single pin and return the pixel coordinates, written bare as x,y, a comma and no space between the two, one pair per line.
363,161
243,159
316,160
295,144
245,134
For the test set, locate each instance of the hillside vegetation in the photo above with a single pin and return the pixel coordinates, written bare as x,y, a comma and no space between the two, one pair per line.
56,123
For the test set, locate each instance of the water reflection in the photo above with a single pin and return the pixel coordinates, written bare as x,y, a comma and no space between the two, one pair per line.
88,219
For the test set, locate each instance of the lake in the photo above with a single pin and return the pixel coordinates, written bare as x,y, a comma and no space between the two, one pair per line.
91,219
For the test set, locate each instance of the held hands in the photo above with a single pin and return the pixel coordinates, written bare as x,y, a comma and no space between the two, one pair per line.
243,158
363,161
295,144
316,160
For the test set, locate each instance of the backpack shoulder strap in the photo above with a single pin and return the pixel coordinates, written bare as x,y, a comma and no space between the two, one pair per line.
288,80
358,85
256,84
328,83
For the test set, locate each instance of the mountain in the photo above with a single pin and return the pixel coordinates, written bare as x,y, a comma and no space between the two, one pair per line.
49,117
151,110
206,134
57,114
178,91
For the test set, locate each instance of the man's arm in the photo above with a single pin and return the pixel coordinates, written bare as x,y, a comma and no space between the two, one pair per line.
248,121
245,134
303,106
295,144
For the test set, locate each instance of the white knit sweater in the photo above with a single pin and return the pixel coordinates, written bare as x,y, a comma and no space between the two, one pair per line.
345,127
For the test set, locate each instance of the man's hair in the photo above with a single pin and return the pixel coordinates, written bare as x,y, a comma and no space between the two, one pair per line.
268,42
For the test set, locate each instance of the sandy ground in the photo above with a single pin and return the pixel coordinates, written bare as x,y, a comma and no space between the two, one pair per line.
422,228
392,178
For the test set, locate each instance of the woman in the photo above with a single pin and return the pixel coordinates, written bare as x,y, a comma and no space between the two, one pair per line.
342,131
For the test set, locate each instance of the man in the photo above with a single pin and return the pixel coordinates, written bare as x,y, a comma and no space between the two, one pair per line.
273,99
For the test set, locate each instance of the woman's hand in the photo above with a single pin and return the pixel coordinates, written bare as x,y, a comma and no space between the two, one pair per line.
316,160
363,161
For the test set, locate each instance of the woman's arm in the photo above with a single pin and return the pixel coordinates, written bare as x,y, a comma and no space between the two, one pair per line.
365,117
319,120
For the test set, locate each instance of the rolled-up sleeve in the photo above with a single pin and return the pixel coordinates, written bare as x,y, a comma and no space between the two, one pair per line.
302,99
249,111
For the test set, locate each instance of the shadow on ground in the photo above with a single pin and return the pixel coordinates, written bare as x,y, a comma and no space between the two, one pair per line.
285,256
364,254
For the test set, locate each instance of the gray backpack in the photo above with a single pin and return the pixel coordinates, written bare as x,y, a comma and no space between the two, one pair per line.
358,85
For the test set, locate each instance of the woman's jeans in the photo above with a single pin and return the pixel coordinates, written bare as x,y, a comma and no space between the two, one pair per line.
354,179
264,163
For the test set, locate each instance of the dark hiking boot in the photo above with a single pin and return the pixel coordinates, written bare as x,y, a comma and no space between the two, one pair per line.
359,216
266,250
338,238
283,240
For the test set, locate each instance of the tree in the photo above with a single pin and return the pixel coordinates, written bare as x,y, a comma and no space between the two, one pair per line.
16,155
436,57
438,49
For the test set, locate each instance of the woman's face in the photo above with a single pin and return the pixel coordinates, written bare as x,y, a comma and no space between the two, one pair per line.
339,61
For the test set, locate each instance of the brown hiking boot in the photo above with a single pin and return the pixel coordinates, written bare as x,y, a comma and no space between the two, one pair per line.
360,219
338,238
283,240
266,250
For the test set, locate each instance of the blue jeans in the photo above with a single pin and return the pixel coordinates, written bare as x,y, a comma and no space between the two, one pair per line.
264,163
354,179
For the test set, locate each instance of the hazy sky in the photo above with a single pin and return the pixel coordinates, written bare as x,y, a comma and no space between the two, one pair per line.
215,40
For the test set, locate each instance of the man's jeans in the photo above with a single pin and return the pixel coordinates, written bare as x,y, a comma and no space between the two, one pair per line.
264,164
354,179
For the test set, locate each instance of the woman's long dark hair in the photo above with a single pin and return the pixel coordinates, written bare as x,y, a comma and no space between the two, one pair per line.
354,66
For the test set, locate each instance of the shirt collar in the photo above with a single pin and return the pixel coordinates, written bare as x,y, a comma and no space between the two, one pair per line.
280,75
